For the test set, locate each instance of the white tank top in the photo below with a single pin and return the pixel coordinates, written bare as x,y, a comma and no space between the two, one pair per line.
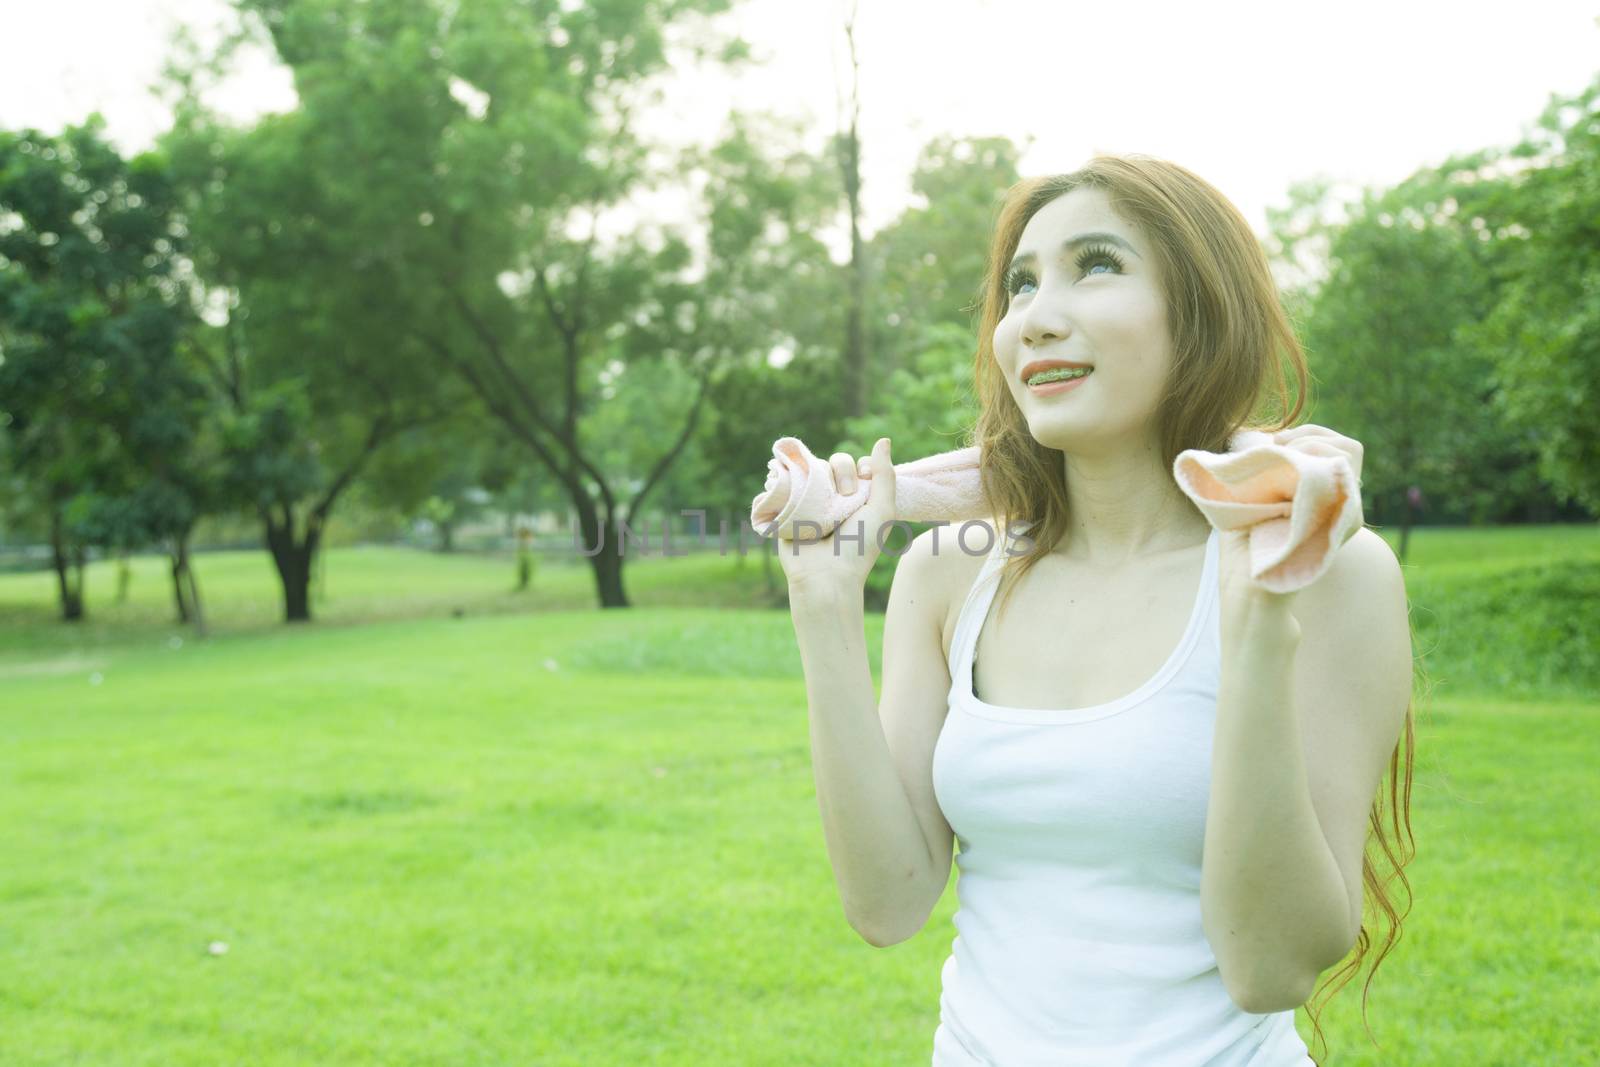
1080,833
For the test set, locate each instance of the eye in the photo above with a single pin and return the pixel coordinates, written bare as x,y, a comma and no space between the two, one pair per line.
1098,254
1017,277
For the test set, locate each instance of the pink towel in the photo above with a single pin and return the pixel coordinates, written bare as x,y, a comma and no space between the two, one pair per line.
1298,491
800,486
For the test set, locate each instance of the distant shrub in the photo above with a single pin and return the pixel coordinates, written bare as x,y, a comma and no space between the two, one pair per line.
1517,631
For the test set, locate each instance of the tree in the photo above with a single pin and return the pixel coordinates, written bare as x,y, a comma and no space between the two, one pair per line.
460,149
446,472
1382,339
847,147
1460,437
304,259
101,412
767,297
1543,207
928,264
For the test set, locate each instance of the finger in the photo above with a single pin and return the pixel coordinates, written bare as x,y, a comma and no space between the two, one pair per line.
844,472
882,467
1322,442
1296,431
1311,429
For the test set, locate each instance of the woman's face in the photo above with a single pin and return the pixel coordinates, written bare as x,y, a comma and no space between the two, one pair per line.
1097,302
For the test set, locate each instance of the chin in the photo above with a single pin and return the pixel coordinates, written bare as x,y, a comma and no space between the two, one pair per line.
1052,434
1073,433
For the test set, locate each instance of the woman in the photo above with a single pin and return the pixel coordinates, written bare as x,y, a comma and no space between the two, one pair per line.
1160,775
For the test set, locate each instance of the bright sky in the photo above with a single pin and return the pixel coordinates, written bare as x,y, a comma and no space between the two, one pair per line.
1252,96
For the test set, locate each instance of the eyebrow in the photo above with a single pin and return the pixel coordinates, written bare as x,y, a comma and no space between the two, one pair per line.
1082,239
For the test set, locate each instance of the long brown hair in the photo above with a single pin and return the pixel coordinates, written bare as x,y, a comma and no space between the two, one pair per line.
1231,340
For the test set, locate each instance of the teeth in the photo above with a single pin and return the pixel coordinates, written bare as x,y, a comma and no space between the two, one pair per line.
1058,374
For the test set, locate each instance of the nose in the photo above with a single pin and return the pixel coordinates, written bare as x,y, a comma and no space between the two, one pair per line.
1041,325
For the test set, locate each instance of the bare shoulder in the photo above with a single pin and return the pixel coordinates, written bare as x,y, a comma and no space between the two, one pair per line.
943,571
1362,567
1372,550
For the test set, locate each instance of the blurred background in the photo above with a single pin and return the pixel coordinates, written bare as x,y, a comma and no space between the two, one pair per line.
334,332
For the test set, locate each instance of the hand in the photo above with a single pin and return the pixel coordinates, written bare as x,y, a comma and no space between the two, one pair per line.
1321,441
829,565
1245,602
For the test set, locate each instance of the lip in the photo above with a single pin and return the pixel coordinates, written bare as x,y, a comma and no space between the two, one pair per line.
1033,367
1052,388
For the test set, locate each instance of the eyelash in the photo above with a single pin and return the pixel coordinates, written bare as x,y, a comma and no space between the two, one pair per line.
1017,275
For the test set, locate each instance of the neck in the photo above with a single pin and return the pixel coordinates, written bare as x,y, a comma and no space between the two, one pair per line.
1124,505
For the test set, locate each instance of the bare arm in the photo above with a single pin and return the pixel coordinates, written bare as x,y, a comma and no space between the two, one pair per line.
889,844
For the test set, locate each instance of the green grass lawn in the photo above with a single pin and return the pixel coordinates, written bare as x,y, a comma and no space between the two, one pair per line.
543,834
362,585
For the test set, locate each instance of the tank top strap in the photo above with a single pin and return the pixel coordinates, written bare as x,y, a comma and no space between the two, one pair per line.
976,607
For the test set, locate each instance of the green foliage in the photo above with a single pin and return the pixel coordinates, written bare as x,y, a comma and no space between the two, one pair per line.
1517,632
1382,342
411,238
766,286
102,414
1544,329
1453,332
798,399
928,264
929,405
272,460
1511,610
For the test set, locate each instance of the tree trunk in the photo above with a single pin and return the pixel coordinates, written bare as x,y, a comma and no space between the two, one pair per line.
296,557
855,355
294,567
608,577
70,588
855,375
604,554
180,592
187,586
524,538
447,536
124,574
293,558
